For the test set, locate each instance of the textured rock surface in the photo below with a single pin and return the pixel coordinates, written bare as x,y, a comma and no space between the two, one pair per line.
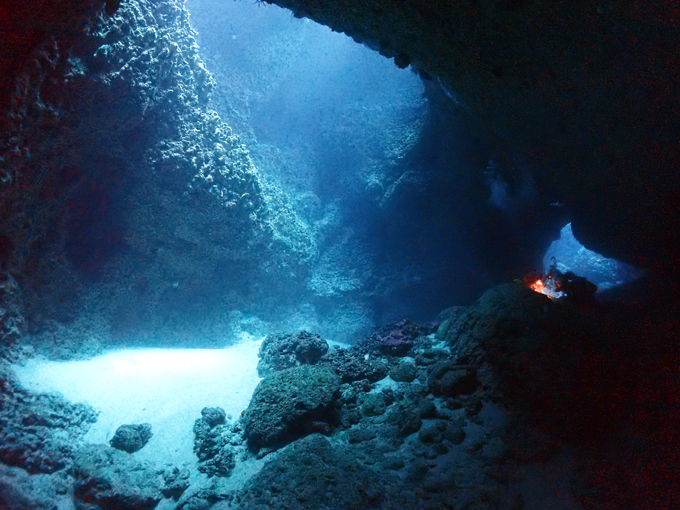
449,379
395,339
468,428
289,404
131,438
39,433
106,478
216,442
280,351
124,215
12,323
21,491
353,365
405,371
311,473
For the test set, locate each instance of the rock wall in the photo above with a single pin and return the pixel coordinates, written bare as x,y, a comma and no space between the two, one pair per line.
124,196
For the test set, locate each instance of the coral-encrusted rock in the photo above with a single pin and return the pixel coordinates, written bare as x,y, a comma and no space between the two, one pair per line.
373,404
22,491
450,380
279,351
395,339
311,473
105,478
175,481
39,433
213,415
131,438
289,404
405,371
215,442
353,365
405,416
537,348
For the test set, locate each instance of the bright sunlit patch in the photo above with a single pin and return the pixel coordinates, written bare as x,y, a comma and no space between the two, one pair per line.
164,387
570,255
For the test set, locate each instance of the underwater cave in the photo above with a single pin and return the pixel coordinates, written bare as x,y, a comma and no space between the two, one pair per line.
339,255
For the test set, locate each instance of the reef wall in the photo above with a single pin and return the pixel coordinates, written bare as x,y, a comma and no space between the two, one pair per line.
125,199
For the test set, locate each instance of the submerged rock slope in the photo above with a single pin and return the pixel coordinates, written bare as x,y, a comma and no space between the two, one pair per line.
517,401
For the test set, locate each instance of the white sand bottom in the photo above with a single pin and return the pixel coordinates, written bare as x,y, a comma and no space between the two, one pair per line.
164,387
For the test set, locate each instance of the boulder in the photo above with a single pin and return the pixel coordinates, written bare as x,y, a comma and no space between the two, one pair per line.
448,379
311,473
289,404
106,478
280,351
405,371
131,438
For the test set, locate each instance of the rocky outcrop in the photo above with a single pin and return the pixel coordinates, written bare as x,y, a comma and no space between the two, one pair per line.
107,478
216,442
125,173
289,404
519,381
22,491
312,473
353,365
280,351
40,432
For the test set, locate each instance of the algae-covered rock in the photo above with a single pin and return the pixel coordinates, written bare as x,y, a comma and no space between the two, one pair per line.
289,404
105,478
280,351
353,365
311,473
131,438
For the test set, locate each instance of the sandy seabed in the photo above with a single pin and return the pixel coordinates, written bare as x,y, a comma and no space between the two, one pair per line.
164,387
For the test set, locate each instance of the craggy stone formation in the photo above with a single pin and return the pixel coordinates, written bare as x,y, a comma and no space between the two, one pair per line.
314,473
108,478
289,404
572,100
279,351
395,339
490,399
216,442
514,392
118,181
583,95
39,433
